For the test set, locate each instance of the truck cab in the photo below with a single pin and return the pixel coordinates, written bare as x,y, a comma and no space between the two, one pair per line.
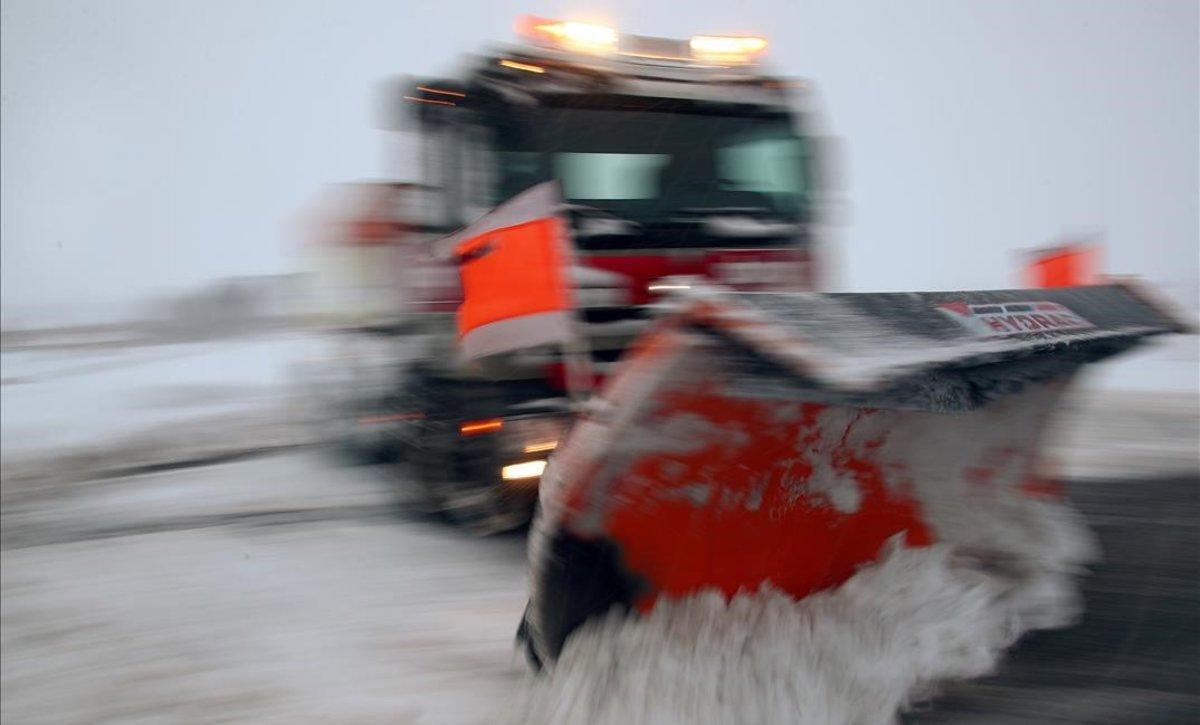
674,158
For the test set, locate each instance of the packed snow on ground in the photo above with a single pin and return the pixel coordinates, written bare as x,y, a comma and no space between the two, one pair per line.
857,654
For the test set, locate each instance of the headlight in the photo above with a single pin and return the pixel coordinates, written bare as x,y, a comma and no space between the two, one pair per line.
519,471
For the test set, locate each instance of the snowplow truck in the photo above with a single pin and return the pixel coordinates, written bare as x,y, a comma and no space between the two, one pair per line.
673,157
690,414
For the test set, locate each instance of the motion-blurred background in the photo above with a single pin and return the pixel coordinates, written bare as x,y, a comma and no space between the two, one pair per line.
161,166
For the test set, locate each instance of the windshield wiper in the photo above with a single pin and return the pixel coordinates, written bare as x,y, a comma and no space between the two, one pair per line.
740,221
593,221
741,225
707,210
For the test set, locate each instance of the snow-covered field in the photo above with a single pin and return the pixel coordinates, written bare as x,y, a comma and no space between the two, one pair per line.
61,399
116,407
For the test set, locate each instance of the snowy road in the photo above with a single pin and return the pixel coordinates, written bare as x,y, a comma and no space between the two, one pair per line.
282,589
1134,657
286,588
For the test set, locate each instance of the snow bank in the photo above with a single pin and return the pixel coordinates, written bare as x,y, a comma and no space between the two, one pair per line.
857,654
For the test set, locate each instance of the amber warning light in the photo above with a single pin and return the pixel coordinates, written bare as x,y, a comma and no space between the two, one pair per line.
588,37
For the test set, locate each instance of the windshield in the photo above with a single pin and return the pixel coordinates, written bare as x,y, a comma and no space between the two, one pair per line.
653,164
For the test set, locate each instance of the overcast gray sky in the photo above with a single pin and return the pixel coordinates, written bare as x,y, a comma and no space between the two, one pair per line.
149,144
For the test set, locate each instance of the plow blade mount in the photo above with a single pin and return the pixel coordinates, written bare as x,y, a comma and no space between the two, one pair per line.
749,439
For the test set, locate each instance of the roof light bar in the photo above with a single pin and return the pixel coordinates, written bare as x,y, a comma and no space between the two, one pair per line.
599,39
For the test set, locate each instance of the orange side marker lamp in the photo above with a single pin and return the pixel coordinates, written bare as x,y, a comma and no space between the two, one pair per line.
1072,264
479,427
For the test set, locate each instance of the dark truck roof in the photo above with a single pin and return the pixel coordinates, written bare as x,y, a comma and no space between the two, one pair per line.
525,74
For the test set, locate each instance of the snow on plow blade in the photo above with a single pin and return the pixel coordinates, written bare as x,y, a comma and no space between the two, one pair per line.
784,438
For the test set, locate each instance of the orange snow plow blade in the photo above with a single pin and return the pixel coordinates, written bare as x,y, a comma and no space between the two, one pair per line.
782,439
